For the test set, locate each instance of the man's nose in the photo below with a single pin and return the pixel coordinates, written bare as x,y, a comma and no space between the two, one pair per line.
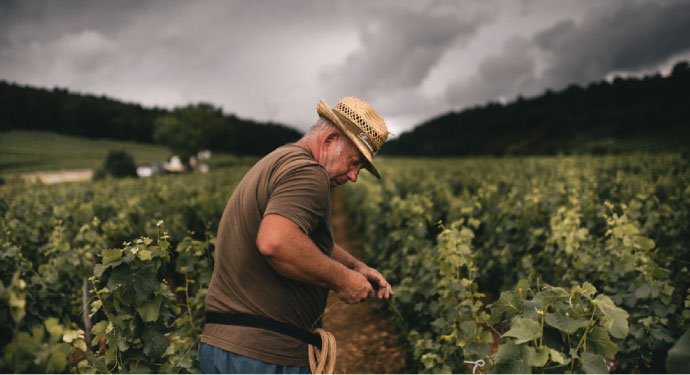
352,175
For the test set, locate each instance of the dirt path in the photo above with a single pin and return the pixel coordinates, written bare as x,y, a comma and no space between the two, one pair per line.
367,341
54,177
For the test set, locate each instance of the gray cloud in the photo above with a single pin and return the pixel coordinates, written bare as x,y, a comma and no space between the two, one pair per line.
398,48
32,20
625,36
500,77
615,37
273,60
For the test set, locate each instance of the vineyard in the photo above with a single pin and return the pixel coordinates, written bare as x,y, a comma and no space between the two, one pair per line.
108,276
564,264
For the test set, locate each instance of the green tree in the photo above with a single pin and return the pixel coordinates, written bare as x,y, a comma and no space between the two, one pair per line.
118,163
189,129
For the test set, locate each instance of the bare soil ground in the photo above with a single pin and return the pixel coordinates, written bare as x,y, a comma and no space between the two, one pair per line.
367,341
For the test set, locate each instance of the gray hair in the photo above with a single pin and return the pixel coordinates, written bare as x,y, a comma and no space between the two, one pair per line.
322,125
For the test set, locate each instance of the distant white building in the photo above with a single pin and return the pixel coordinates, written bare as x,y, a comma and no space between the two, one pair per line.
203,155
150,170
175,165
198,166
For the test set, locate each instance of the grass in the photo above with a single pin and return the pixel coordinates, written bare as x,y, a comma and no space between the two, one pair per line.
39,151
32,151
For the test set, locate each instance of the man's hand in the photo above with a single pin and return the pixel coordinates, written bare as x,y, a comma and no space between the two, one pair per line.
376,279
354,288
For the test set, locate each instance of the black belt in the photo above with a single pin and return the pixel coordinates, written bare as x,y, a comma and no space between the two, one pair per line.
255,321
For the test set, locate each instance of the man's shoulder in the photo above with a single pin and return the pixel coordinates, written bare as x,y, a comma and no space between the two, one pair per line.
293,158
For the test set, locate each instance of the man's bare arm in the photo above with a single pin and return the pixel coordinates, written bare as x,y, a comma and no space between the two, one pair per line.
292,254
344,257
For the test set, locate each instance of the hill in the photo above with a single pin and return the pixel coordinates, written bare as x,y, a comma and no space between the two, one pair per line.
99,117
29,151
632,114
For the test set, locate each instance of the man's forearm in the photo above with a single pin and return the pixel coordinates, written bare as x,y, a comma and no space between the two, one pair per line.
345,258
292,254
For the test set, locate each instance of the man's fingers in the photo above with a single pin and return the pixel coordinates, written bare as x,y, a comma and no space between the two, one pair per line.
385,292
381,288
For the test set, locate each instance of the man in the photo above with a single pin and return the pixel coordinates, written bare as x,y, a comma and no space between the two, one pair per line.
275,258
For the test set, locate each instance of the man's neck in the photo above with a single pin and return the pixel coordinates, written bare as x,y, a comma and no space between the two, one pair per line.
310,144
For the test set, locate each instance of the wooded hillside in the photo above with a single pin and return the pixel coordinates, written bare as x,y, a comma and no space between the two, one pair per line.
64,112
632,114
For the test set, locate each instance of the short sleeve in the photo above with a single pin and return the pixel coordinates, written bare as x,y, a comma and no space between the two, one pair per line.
301,196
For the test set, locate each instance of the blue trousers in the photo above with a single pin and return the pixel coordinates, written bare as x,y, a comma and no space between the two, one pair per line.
214,360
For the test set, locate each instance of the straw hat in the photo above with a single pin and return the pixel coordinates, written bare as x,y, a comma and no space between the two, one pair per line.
361,123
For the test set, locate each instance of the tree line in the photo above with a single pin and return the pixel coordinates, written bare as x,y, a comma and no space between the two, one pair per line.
184,130
628,114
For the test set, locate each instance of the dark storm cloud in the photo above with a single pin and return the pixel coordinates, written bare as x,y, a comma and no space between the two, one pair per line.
626,36
398,48
504,75
44,20
273,60
615,37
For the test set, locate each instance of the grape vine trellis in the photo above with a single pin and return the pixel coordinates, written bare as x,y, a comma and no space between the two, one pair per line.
64,240
616,225
523,264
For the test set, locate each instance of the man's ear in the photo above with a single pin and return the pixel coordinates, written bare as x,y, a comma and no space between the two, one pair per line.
331,138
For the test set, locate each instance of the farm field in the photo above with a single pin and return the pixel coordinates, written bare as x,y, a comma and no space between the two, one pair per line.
527,264
75,270
55,157
553,264
31,151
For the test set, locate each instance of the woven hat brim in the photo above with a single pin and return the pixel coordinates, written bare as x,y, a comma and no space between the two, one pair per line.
324,110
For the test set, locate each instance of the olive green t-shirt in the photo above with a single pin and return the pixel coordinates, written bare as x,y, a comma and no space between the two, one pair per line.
286,182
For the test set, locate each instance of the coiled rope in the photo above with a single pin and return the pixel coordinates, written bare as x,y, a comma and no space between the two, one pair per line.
322,361
477,364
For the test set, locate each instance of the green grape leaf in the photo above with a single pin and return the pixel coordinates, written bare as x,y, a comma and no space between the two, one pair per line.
72,334
594,364
643,292
145,282
98,269
565,323
538,357
144,254
587,289
617,324
599,342
644,243
58,358
429,360
99,327
468,329
154,342
53,327
512,359
524,330
678,358
558,357
508,303
110,256
80,344
120,276
149,310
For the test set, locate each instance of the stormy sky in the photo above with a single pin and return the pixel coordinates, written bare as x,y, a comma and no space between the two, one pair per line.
273,60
